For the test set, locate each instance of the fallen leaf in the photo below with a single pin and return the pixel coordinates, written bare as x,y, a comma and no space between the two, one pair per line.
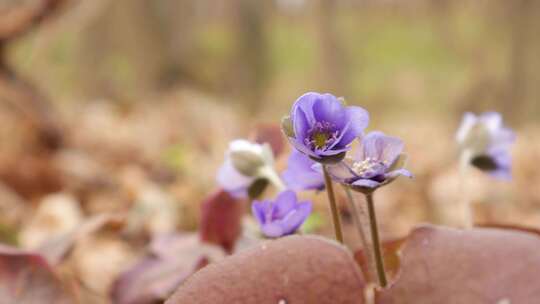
293,269
172,258
480,265
26,278
221,219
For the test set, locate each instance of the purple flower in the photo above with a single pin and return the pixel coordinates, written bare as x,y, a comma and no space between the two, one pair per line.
485,143
377,161
321,127
300,174
282,216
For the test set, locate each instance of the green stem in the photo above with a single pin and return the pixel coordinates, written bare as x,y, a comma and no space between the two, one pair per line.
360,219
376,243
333,205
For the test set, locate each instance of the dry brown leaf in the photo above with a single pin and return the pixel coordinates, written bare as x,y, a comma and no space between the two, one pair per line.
26,278
171,260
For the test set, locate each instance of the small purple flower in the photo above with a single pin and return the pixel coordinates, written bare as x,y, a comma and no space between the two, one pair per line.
282,216
485,143
300,174
377,161
321,127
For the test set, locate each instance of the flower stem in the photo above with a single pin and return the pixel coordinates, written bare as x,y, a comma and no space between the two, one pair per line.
273,177
468,215
361,219
333,205
375,240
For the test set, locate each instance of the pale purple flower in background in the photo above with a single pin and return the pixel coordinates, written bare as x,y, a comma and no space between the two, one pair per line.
300,173
377,161
245,162
485,143
281,217
322,127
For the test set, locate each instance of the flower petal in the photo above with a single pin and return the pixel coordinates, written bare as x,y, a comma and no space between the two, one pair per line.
300,175
398,172
328,108
492,121
378,146
301,124
467,123
366,183
232,181
284,203
300,146
341,172
273,230
359,120
258,211
296,218
304,104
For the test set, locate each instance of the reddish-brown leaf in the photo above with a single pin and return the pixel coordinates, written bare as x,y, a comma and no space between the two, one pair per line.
171,260
26,278
221,217
481,265
294,269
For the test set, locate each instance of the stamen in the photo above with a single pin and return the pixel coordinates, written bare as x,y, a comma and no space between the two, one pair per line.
321,135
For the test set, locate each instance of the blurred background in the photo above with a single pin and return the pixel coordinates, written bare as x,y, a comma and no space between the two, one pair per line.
128,105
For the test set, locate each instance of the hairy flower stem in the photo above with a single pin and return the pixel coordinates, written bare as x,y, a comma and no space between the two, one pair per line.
361,221
333,205
273,177
468,215
375,241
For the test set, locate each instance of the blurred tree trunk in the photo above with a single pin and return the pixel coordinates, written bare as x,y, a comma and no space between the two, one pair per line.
521,16
251,62
333,74
137,45
15,92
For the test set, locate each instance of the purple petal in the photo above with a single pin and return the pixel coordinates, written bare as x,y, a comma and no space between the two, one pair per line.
504,137
284,203
300,174
333,152
257,209
492,120
467,122
367,183
328,108
503,160
232,181
273,230
301,124
341,172
304,104
359,120
299,145
398,172
294,219
378,146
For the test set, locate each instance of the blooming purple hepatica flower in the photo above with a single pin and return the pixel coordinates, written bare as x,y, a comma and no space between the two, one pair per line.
322,127
282,216
485,143
377,161
300,173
